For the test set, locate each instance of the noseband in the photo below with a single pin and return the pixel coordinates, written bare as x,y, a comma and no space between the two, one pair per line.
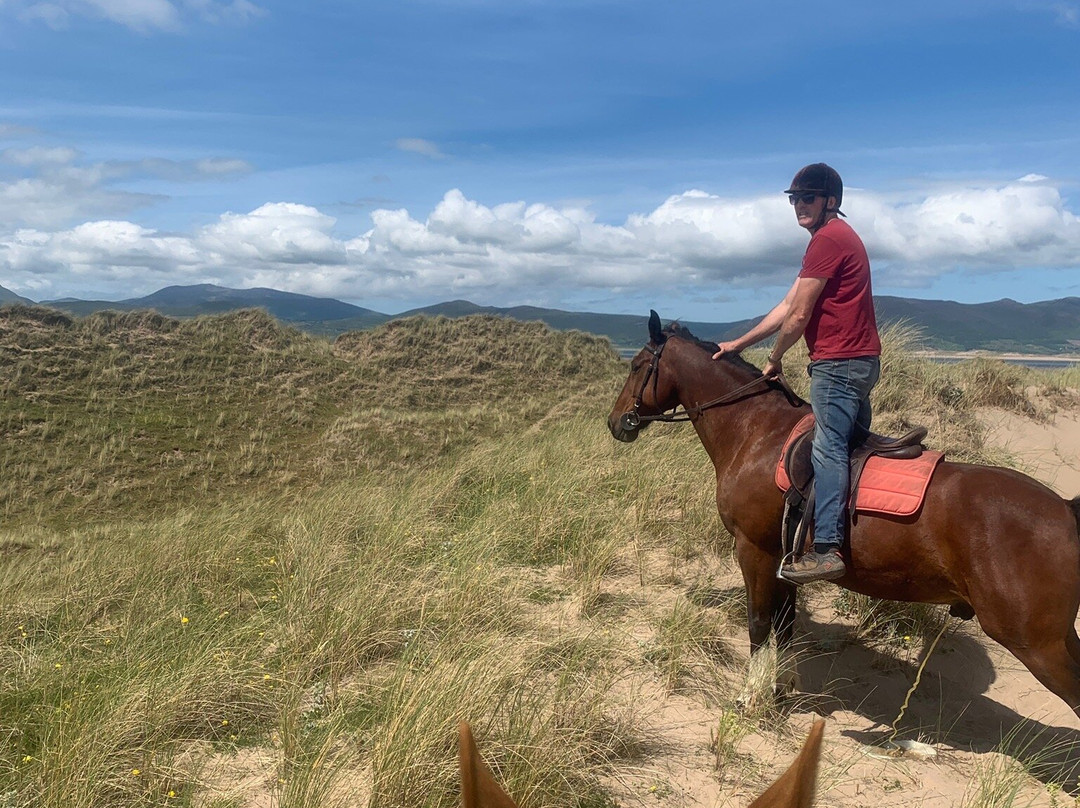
632,420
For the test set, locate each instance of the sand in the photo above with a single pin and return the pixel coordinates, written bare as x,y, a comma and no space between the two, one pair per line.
1048,450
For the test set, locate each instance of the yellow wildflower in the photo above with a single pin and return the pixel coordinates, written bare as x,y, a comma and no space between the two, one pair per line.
183,620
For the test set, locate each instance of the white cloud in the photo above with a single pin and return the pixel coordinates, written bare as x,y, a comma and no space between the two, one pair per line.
60,190
419,146
217,166
181,170
39,156
1067,14
274,234
517,251
119,251
236,11
982,229
51,14
9,131
62,198
139,15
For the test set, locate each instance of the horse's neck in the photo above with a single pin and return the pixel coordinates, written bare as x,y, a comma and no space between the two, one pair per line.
762,418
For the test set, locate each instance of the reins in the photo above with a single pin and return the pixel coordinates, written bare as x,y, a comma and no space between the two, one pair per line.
633,419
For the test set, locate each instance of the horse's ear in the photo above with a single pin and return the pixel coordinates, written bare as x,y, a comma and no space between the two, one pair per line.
479,788
656,333
795,788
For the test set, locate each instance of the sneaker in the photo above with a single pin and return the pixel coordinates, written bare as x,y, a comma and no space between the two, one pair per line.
815,566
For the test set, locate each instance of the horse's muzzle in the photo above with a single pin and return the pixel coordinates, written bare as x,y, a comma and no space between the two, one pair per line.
625,428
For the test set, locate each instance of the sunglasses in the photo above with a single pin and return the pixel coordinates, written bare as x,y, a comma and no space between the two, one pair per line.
806,199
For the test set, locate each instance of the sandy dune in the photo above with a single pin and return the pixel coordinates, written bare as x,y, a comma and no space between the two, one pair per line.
1048,451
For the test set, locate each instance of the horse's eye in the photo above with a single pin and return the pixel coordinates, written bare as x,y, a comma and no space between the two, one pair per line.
635,367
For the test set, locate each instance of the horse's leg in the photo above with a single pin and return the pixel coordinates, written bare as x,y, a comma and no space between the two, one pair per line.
1054,666
1045,642
783,623
759,576
1072,642
1031,608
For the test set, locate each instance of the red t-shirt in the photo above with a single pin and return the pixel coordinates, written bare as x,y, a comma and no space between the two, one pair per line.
842,324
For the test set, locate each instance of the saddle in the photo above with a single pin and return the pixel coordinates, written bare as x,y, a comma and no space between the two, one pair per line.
795,475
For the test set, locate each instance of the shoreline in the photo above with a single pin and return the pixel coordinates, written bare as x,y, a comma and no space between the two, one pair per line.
957,356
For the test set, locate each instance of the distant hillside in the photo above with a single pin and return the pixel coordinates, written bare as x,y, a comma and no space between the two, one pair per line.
624,330
8,296
315,314
1051,326
1047,327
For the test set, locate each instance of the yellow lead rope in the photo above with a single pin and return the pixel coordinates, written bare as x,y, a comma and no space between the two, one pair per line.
911,690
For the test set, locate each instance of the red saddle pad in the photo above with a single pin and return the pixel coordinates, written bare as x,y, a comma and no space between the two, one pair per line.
887,485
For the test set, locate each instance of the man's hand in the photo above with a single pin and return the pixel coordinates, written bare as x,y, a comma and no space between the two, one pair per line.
726,347
773,367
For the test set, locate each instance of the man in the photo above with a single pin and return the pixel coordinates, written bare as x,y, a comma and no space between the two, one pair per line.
831,304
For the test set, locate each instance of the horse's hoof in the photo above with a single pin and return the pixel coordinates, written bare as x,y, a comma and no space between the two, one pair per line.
788,683
962,610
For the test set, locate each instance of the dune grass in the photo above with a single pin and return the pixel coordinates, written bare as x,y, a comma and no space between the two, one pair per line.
137,413
359,544
347,628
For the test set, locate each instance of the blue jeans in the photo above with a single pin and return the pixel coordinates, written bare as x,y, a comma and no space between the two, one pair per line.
840,396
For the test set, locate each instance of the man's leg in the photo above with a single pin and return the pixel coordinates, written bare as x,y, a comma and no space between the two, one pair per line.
866,412
839,395
836,402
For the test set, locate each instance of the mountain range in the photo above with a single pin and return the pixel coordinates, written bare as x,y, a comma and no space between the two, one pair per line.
1047,327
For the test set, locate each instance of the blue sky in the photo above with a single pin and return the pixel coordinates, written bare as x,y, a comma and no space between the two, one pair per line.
609,156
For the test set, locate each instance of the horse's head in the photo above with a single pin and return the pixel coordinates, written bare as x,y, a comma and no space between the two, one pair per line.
647,391
689,378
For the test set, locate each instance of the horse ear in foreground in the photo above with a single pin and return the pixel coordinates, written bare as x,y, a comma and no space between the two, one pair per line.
478,786
986,541
793,789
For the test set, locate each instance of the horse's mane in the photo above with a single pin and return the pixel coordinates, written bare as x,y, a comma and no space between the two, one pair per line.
677,329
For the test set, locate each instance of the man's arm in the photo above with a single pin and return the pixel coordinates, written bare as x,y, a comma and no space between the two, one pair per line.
805,294
769,325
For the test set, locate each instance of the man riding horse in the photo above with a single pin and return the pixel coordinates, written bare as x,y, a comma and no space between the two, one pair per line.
830,304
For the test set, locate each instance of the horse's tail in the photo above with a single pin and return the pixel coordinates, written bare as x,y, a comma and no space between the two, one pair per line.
1074,503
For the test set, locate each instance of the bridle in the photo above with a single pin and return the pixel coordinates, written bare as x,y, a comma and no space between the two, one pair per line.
632,420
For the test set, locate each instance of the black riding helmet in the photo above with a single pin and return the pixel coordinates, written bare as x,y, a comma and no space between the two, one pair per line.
821,179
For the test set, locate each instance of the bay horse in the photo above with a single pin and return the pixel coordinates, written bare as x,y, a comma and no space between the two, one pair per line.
988,541
792,789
